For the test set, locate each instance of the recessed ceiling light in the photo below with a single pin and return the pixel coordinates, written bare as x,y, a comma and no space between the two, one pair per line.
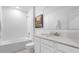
17,7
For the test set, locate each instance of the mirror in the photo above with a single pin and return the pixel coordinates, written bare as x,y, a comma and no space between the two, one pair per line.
59,17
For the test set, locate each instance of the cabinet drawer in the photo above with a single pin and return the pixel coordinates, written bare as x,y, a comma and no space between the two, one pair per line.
47,42
47,49
66,49
58,51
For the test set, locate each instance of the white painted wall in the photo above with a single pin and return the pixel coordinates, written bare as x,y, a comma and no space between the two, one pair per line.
65,14
74,19
0,22
52,15
14,24
30,23
0,18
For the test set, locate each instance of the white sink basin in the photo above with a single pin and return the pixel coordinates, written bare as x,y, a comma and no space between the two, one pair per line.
52,35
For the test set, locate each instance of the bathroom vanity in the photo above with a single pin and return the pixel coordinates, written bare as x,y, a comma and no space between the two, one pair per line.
57,18
54,44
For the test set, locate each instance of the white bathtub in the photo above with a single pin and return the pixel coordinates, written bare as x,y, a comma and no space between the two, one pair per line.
11,46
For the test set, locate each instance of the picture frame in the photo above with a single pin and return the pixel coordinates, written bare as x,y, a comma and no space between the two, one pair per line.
39,21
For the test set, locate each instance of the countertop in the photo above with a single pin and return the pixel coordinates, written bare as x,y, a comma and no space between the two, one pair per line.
62,40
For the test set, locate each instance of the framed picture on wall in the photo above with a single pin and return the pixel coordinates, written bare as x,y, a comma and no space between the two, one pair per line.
39,21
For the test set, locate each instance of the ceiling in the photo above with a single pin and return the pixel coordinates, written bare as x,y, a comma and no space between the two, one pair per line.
22,8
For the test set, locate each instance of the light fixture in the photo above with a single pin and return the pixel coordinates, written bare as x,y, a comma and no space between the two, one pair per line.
17,7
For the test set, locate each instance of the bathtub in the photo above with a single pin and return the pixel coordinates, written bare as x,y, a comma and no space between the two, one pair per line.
12,46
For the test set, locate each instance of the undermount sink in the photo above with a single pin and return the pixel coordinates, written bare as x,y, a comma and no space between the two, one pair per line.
56,34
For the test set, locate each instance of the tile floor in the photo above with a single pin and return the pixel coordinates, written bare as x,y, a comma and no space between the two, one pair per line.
30,50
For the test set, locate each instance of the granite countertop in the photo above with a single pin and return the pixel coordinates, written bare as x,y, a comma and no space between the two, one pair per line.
62,40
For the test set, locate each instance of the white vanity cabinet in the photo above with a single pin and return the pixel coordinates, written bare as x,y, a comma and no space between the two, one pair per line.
47,49
66,49
49,46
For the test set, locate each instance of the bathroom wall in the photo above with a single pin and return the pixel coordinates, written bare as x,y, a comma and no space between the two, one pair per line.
0,18
30,23
14,23
51,17
53,14
74,19
0,21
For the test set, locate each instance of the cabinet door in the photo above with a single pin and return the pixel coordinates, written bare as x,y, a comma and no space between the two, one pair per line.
66,49
48,42
47,46
58,51
37,42
47,49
